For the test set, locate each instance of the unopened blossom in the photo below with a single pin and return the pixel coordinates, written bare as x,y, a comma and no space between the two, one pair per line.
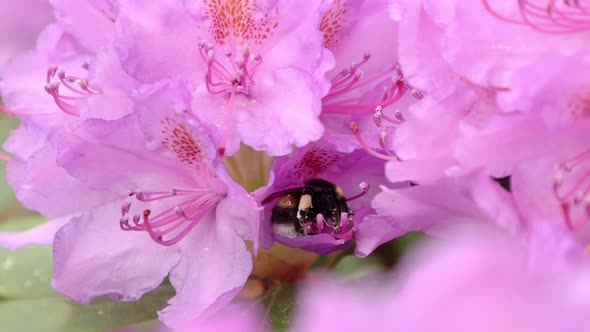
256,68
368,91
355,174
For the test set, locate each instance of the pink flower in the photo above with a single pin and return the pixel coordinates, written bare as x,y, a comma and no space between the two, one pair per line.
424,141
321,233
73,74
501,46
244,60
486,284
179,197
70,66
152,199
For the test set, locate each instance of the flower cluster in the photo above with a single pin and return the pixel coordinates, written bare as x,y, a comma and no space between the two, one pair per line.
466,120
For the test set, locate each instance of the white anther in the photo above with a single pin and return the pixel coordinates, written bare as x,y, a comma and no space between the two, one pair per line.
364,186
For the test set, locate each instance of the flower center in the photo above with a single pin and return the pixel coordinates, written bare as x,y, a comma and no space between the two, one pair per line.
229,73
172,224
75,87
555,17
351,94
185,207
572,188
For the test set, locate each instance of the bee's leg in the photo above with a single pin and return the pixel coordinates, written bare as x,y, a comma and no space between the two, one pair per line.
343,222
320,221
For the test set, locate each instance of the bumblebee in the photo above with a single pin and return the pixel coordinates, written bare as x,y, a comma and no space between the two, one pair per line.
317,207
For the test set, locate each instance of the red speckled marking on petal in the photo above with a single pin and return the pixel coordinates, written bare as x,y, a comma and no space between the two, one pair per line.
332,22
313,162
236,18
179,139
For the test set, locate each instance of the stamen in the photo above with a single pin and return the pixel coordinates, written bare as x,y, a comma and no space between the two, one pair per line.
226,125
356,131
229,73
383,146
175,222
349,81
79,87
364,189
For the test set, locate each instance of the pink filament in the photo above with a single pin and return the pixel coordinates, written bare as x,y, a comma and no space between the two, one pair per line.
356,131
227,122
351,80
174,223
66,103
364,190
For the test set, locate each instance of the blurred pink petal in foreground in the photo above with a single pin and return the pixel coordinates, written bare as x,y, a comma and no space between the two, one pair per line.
473,284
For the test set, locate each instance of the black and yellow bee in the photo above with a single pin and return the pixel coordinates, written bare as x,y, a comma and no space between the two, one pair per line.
298,208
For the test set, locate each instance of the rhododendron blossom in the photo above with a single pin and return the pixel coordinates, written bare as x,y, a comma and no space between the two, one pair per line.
202,159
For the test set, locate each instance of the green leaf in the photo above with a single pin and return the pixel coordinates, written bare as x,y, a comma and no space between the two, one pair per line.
279,306
354,267
57,314
22,223
25,273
